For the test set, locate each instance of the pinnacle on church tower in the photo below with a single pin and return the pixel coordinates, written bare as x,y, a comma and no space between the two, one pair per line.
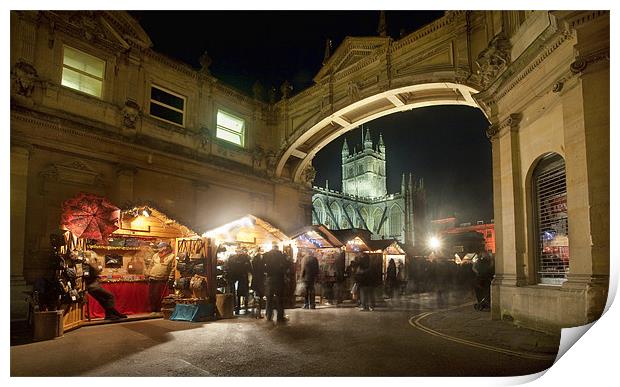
381,144
345,150
367,140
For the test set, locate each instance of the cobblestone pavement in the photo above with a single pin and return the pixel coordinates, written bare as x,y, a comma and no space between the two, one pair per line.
328,341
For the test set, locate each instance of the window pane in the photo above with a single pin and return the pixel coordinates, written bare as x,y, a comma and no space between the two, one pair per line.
81,82
167,98
229,122
84,62
228,136
166,113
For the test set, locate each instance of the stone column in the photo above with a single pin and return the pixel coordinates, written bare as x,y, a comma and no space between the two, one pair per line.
20,156
508,209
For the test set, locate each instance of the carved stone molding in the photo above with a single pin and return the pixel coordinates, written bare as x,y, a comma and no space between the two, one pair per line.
308,175
130,114
74,172
24,78
581,62
126,170
493,60
353,91
510,123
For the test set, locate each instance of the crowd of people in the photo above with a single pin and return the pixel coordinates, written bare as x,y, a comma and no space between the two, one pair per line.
362,280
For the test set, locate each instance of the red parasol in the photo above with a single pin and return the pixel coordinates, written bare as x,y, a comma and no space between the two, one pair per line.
90,216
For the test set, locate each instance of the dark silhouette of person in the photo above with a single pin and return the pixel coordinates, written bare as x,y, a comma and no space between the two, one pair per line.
484,274
276,267
258,282
239,267
309,274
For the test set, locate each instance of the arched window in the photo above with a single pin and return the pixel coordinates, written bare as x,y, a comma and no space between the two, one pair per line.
549,200
318,215
377,221
337,214
351,212
396,221
364,213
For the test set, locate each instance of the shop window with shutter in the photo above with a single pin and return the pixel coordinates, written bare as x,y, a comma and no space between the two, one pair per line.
552,251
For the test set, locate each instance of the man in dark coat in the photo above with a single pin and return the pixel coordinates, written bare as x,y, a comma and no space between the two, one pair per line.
258,282
103,297
484,274
239,267
309,274
276,267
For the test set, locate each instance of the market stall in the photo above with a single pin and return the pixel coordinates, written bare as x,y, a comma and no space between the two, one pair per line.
125,257
250,235
325,246
390,249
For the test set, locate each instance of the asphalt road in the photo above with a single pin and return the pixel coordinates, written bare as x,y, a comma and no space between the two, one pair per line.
328,341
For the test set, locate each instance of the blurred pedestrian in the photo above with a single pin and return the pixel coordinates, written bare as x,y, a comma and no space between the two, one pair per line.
484,274
366,284
276,268
258,282
339,278
239,268
309,274
390,278
401,278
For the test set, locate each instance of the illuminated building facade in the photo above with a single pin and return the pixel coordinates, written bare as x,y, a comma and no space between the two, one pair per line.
364,202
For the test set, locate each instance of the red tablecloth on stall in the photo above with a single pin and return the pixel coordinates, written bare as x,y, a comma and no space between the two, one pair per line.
130,298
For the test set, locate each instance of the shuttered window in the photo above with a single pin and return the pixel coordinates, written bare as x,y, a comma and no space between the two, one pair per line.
552,220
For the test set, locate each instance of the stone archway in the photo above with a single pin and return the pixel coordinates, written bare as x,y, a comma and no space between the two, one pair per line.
397,100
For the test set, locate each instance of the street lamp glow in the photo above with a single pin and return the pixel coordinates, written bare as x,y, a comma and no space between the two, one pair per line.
434,243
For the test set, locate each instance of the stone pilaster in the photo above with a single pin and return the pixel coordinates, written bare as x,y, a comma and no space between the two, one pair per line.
20,155
124,184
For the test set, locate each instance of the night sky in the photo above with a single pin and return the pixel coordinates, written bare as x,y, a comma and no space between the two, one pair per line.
445,145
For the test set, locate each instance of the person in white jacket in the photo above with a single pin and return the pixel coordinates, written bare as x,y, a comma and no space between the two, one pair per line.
160,274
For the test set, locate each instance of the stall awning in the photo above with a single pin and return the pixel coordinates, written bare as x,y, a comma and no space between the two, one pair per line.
316,237
248,229
144,220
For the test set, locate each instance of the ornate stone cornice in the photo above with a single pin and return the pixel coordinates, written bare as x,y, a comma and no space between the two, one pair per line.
510,123
582,61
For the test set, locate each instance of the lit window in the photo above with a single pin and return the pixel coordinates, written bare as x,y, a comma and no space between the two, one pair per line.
83,72
552,220
167,106
230,128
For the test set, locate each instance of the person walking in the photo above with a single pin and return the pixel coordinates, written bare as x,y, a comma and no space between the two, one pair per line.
276,267
239,267
339,278
309,274
365,281
390,279
484,275
401,278
258,282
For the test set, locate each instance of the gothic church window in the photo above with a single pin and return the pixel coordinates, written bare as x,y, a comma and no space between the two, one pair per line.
167,106
82,71
396,221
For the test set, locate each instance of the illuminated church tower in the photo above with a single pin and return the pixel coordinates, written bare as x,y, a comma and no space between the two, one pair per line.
363,173
364,202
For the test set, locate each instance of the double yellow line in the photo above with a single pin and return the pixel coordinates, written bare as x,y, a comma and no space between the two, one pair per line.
414,321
